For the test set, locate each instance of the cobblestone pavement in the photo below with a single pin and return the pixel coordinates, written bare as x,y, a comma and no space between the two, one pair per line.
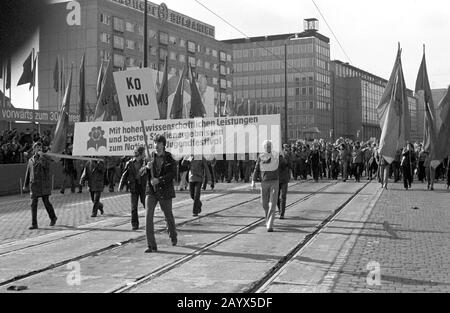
72,210
408,235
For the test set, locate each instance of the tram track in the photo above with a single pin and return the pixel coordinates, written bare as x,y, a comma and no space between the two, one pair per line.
175,264
119,244
261,285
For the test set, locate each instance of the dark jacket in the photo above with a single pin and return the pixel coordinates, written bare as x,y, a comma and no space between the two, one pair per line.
284,169
263,169
94,173
131,177
38,176
165,189
198,169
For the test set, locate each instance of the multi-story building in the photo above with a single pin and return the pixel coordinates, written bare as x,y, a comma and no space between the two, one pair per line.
356,95
104,29
259,76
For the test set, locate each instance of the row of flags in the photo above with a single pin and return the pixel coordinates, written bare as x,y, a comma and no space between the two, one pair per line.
28,75
5,71
394,116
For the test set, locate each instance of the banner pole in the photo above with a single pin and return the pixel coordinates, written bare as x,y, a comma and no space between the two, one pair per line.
146,147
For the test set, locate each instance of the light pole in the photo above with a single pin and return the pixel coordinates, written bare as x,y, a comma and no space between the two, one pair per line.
365,113
146,36
285,88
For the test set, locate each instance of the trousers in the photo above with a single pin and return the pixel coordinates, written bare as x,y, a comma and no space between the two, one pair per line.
166,207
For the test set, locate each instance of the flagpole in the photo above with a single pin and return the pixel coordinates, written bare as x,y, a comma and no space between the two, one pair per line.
34,115
4,72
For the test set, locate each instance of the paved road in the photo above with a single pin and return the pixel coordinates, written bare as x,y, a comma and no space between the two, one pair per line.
332,231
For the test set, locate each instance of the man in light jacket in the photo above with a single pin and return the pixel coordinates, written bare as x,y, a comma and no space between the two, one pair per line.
266,169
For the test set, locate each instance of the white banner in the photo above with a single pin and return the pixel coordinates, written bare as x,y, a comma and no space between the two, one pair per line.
137,94
207,136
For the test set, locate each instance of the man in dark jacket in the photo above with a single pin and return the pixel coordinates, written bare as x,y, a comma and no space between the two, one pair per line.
161,171
94,173
38,179
135,177
69,171
284,173
197,170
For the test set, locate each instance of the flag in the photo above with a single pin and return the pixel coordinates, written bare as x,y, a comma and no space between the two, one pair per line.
105,102
34,72
82,92
27,75
100,79
1,67
176,112
60,136
424,90
62,78
393,113
197,107
56,75
225,108
8,74
443,137
163,93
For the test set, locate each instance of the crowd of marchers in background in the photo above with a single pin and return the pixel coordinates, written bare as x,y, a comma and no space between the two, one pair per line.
16,147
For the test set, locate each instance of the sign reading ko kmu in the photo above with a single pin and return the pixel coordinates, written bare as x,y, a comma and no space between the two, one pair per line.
137,95
199,137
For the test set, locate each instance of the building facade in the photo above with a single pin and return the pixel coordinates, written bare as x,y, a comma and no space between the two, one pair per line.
259,76
113,29
356,95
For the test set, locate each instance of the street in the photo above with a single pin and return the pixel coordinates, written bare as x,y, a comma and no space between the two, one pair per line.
337,237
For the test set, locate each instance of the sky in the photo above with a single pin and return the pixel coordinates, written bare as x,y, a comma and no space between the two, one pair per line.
369,31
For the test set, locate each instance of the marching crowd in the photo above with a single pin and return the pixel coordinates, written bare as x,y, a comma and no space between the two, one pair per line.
151,180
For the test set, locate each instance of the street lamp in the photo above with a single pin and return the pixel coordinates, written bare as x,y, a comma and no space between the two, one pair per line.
285,87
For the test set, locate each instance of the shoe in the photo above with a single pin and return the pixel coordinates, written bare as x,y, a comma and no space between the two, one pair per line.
33,227
53,221
151,249
212,187
195,214
61,192
135,227
94,215
174,241
281,217
431,188
101,208
270,230
80,191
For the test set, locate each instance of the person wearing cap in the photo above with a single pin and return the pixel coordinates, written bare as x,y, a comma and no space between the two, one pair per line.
135,177
267,169
94,173
161,171
38,181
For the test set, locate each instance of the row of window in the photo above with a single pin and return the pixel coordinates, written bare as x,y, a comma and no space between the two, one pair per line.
307,78
300,47
279,64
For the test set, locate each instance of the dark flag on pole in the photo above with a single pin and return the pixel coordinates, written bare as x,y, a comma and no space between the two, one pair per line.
393,113
27,75
424,90
105,102
176,112
443,138
56,75
197,108
59,142
34,72
163,93
100,79
82,92
8,73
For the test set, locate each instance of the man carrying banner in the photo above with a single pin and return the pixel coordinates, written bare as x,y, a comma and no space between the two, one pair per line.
94,172
135,177
38,181
161,171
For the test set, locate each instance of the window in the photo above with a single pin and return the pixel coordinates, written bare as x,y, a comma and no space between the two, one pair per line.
151,34
222,70
215,67
173,40
106,38
162,53
118,24
129,27
130,61
141,30
105,19
223,56
229,57
130,44
140,47
199,63
105,54
163,38
199,48
223,84
191,46
311,105
311,91
181,58
304,91
214,53
119,60
297,91
207,51
182,43
118,42
192,61
173,56
207,65
214,80
153,50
